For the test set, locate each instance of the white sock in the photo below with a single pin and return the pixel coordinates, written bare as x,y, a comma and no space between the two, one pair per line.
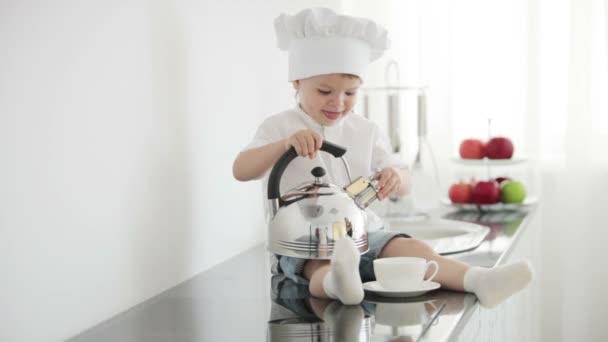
344,321
494,285
343,282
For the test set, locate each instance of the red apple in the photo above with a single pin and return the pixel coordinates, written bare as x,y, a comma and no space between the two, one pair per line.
461,193
486,192
472,149
501,179
499,148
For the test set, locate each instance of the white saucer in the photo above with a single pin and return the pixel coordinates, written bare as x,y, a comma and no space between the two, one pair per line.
377,289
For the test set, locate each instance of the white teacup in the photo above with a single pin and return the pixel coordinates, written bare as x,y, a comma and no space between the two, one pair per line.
402,273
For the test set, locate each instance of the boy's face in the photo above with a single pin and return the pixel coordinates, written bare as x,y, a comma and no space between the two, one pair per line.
328,98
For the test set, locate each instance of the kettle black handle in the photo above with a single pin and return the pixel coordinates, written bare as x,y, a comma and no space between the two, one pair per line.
274,180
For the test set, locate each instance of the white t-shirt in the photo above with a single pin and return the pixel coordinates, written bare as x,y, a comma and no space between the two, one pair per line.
367,149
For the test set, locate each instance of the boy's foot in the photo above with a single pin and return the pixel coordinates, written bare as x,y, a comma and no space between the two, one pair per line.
343,282
494,285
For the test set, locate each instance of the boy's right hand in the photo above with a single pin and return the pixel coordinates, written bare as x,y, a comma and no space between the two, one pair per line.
306,142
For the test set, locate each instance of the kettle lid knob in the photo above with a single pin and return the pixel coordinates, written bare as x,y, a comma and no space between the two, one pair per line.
318,172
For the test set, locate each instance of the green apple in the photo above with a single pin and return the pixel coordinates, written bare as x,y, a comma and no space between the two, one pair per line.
512,192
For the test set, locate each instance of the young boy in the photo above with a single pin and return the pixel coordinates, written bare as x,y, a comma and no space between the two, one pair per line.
328,56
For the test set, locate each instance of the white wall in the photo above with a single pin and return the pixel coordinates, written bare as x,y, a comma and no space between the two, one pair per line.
119,121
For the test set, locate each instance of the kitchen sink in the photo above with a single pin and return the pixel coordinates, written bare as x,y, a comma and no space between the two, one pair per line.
445,236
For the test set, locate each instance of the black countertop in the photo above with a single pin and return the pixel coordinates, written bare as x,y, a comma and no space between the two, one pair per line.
239,300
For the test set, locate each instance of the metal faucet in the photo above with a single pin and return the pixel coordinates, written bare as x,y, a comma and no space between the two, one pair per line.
393,106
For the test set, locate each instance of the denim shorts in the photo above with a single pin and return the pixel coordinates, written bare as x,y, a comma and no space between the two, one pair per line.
293,268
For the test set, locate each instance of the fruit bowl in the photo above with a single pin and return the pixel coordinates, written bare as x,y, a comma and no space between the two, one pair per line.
490,207
489,162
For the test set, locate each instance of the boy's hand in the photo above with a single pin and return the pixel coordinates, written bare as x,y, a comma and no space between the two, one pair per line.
389,182
306,142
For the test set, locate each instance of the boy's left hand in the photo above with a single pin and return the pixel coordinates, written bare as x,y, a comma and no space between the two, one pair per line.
389,182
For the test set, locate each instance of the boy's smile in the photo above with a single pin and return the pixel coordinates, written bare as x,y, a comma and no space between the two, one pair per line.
332,115
328,98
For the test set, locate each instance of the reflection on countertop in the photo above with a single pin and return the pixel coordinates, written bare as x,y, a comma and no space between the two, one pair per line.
240,300
296,316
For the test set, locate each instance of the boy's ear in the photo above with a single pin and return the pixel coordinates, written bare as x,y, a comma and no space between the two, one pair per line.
296,84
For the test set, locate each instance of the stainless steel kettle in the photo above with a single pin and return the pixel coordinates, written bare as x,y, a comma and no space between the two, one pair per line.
307,220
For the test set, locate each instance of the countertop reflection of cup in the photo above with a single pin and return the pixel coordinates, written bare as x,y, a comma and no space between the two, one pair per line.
404,314
402,273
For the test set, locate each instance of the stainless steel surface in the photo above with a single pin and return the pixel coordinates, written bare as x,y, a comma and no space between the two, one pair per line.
392,64
350,178
444,236
274,206
394,126
309,227
421,114
234,301
425,173
342,323
311,217
432,320
422,132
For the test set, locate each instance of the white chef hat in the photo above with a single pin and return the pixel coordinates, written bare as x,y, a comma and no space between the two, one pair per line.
321,42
